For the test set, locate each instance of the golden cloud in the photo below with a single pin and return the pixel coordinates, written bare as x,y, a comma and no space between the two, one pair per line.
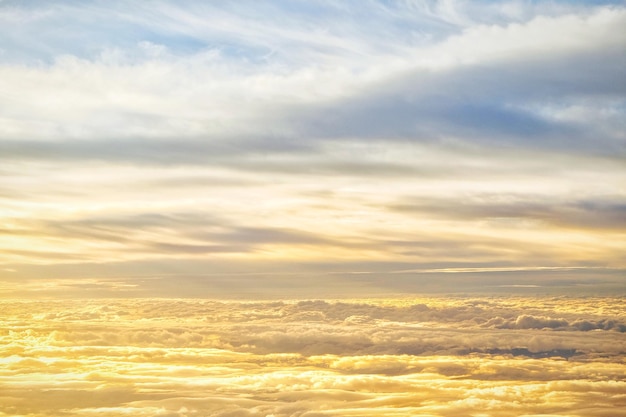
192,358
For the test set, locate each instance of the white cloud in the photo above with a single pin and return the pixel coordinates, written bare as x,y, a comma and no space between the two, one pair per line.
502,121
148,92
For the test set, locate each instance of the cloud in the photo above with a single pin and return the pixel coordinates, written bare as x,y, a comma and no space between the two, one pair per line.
320,327
176,138
496,93
607,213
526,321
292,151
161,357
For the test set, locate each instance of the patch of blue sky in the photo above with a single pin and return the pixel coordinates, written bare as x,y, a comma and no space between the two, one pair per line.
38,31
585,2
89,45
87,39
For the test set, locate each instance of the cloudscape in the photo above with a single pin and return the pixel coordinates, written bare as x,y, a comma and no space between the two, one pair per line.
443,356
312,208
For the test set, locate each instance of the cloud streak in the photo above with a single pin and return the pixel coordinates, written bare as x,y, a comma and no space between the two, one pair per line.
410,135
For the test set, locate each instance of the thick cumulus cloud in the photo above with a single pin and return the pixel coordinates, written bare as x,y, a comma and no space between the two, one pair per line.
431,356
526,321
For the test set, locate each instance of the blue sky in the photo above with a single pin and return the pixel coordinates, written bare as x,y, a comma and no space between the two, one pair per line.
344,143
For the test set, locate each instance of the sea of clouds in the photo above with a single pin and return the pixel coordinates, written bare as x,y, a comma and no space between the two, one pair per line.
438,356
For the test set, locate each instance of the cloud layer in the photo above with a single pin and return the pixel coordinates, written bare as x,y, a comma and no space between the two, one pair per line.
428,356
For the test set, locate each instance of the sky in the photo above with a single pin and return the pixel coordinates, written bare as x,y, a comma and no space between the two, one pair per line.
312,208
281,148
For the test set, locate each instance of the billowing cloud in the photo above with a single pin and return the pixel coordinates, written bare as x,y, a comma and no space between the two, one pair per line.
429,356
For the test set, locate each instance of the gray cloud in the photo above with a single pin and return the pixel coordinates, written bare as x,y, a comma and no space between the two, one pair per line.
511,101
184,276
488,104
608,213
167,234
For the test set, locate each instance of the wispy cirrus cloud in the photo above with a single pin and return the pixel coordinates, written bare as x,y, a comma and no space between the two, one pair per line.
415,135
